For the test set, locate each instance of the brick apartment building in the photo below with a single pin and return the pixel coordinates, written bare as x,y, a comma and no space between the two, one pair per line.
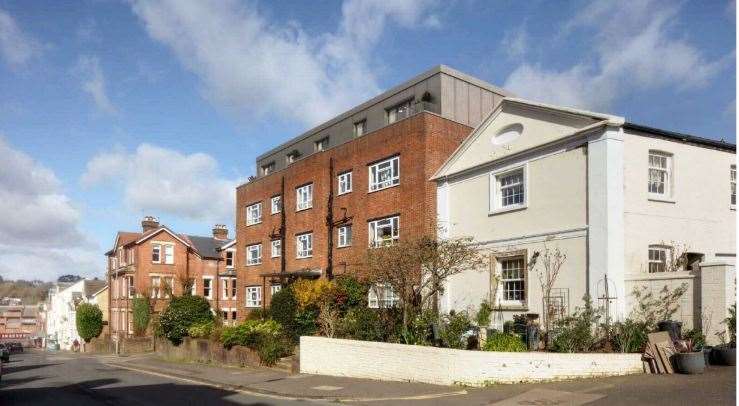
360,179
155,260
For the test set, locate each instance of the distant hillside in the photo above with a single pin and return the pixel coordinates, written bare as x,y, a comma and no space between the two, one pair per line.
31,292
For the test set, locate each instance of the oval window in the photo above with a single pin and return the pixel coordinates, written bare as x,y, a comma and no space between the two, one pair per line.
508,134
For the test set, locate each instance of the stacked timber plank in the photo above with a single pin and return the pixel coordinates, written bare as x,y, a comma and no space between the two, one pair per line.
657,357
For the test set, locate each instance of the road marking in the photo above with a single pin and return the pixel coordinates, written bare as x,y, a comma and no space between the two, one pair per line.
327,387
283,397
548,397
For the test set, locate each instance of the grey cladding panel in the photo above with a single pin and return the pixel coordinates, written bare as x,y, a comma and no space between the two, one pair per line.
475,100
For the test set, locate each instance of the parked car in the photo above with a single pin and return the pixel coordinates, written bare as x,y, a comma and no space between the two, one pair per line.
4,353
15,347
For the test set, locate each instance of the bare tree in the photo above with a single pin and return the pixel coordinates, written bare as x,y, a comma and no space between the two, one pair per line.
550,263
416,269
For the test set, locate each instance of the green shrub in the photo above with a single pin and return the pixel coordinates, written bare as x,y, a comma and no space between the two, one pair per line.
456,324
731,323
482,318
181,313
250,333
350,292
271,350
362,323
575,333
630,336
283,308
419,331
697,337
141,315
201,330
258,314
89,321
504,342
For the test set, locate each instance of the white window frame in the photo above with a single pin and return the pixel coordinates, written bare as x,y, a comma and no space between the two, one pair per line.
375,225
131,291
194,287
168,281
318,146
254,214
276,204
496,189
224,288
156,286
667,170
392,165
257,300
307,240
345,182
657,257
304,197
274,289
229,290
276,249
168,254
268,168
382,297
503,299
253,261
209,286
230,261
158,249
344,238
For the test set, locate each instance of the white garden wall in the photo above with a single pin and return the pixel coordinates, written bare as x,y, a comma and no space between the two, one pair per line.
443,366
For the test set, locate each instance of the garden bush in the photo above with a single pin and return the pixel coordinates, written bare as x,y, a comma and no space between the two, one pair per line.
630,335
201,330
283,308
350,292
250,333
270,351
141,315
482,318
181,313
456,324
504,342
576,333
89,321
362,323
309,293
420,331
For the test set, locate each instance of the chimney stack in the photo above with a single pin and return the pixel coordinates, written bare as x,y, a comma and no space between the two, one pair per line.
149,223
220,232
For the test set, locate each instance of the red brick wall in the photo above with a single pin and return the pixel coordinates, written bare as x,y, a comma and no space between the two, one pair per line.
423,143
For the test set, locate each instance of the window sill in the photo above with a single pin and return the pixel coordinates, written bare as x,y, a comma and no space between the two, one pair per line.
309,256
277,212
343,246
253,224
303,209
661,199
507,210
514,307
253,307
344,193
732,207
254,264
383,188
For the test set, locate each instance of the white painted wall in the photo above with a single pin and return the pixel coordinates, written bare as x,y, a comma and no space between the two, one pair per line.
443,366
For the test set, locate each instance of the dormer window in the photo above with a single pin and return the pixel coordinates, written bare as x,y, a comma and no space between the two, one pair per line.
292,157
268,168
321,145
360,127
399,111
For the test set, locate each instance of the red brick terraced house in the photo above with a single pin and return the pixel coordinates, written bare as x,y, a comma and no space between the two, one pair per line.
357,180
156,261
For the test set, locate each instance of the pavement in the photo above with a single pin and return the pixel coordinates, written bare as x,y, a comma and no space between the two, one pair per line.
40,378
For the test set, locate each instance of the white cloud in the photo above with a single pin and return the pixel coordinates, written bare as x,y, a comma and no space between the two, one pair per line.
161,181
39,223
250,65
93,83
515,42
16,47
636,49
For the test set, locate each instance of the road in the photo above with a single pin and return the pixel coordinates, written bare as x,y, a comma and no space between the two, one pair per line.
39,378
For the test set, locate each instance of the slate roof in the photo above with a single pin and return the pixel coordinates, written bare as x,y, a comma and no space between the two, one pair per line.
93,286
207,247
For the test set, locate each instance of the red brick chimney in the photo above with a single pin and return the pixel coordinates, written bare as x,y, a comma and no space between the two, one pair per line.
149,223
220,232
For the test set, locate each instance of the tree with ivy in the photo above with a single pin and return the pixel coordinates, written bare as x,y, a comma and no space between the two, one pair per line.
141,315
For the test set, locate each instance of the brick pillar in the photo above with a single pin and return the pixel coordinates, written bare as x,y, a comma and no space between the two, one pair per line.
717,290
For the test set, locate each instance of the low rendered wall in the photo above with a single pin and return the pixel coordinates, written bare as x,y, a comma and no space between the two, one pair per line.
443,366
136,345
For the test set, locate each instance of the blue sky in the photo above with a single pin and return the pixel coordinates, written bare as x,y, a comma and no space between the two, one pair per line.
112,110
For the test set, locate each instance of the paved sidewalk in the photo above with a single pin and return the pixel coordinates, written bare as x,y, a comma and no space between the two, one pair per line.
279,383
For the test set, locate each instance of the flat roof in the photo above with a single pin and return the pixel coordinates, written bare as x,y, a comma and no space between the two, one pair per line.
719,144
384,95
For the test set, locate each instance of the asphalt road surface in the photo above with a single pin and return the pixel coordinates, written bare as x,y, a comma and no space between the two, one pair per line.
39,378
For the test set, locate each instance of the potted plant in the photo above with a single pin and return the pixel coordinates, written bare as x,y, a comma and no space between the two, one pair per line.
698,339
689,360
725,354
